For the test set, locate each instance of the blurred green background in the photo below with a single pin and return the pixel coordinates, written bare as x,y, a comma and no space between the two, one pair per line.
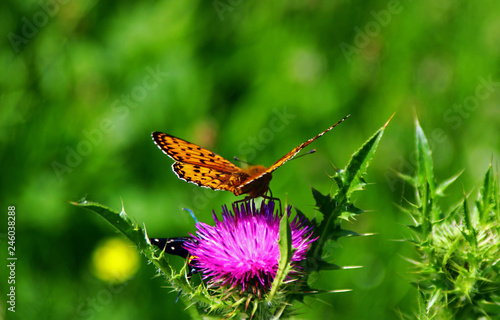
84,83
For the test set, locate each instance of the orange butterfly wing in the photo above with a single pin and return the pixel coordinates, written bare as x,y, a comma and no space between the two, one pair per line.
198,165
206,169
266,175
203,176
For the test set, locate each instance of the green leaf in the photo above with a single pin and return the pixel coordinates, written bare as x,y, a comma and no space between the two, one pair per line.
488,204
347,233
284,267
468,223
351,208
323,265
353,175
138,236
338,208
425,166
120,221
331,212
325,203
435,297
445,184
407,178
301,215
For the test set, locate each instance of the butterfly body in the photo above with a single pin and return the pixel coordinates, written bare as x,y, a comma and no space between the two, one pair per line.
174,246
256,182
207,169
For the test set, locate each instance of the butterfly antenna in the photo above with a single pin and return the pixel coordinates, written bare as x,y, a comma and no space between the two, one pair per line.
192,214
305,154
242,161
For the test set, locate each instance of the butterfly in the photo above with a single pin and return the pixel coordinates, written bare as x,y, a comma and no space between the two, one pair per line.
206,169
175,246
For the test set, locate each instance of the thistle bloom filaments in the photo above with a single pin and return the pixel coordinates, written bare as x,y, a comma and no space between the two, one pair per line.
242,248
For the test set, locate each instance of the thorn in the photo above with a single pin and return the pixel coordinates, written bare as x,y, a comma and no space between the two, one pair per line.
123,206
387,123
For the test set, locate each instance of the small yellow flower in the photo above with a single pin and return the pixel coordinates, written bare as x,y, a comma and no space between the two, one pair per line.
115,260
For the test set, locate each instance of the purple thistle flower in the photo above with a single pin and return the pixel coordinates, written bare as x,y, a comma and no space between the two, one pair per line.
242,248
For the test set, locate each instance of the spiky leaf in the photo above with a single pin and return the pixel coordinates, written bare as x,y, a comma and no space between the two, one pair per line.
285,245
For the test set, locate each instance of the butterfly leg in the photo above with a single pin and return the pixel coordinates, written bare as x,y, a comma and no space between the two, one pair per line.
276,200
245,200
247,203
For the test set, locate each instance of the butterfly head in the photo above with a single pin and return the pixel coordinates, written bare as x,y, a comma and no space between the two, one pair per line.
255,171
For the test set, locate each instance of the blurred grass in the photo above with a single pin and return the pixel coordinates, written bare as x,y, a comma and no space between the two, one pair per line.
226,81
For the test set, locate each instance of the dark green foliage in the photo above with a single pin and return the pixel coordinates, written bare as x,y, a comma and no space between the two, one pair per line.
339,207
458,271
